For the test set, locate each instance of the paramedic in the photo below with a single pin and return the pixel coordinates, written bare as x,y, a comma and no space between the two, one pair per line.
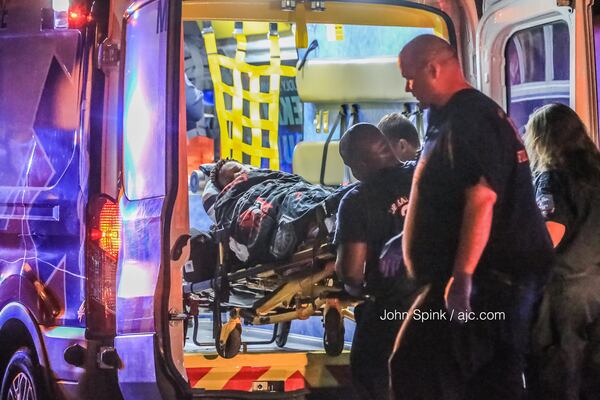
368,216
474,234
566,336
402,135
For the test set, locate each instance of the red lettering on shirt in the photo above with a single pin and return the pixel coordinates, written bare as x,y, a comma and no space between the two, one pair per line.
400,204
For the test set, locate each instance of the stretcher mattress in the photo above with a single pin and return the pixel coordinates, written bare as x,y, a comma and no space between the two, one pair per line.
267,214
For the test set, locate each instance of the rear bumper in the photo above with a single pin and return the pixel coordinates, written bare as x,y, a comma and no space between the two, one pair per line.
76,383
294,373
56,340
235,394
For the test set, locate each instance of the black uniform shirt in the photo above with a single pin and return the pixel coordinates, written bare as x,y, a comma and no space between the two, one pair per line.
576,206
372,213
471,138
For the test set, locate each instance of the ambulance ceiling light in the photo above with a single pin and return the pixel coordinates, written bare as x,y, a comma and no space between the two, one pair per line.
317,5
288,5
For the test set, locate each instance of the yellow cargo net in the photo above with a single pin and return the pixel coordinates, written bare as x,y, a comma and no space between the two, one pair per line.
232,120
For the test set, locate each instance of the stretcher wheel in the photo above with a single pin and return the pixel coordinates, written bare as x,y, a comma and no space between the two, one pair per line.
282,330
232,344
333,337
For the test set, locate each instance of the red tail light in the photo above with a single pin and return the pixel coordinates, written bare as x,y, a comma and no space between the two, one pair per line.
104,240
79,16
108,232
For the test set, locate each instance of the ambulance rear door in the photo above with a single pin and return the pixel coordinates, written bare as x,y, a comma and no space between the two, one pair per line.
535,52
149,112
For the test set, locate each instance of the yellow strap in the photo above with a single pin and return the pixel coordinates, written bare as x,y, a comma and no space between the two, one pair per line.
232,121
238,98
274,84
255,121
215,72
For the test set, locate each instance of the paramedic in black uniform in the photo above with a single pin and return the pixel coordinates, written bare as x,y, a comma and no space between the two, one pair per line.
368,216
473,234
566,337
402,135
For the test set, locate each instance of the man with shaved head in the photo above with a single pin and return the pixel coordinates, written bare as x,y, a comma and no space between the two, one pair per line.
473,234
368,216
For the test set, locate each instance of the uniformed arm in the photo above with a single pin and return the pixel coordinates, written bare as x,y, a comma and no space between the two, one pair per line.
474,235
409,226
350,264
556,231
551,195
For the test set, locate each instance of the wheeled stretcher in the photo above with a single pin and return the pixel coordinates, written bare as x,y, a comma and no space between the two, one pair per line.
299,287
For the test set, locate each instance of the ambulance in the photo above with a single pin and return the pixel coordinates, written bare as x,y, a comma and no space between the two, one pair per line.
110,109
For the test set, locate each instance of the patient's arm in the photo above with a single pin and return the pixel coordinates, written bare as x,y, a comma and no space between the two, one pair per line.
350,264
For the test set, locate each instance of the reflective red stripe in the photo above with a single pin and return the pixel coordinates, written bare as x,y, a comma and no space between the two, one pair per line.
244,378
295,382
195,374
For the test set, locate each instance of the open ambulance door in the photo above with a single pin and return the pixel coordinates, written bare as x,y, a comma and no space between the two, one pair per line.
151,223
535,52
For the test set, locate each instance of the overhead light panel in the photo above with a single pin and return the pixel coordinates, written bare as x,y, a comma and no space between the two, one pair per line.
317,5
288,5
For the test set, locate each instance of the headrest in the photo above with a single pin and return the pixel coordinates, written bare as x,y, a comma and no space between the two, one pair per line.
307,160
348,81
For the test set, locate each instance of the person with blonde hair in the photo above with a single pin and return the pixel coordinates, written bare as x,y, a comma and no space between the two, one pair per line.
566,338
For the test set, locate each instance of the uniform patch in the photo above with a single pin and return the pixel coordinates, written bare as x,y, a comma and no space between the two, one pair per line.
546,205
522,156
399,205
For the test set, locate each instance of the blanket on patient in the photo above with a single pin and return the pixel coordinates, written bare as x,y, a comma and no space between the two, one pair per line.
268,213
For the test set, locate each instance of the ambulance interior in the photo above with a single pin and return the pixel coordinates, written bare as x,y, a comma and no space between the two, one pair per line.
278,93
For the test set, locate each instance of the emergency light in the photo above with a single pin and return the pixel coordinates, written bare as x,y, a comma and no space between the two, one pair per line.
70,16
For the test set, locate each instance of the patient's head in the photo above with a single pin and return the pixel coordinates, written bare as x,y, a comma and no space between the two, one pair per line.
366,151
225,172
402,135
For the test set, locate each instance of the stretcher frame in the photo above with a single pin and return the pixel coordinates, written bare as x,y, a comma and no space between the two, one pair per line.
298,296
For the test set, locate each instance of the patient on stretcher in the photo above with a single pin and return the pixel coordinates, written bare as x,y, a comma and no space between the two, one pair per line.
268,214
225,172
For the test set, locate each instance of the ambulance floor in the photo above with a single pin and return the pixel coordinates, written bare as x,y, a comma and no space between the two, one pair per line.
295,342
300,365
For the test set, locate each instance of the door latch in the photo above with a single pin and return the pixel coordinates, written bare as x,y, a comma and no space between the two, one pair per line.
176,316
109,55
